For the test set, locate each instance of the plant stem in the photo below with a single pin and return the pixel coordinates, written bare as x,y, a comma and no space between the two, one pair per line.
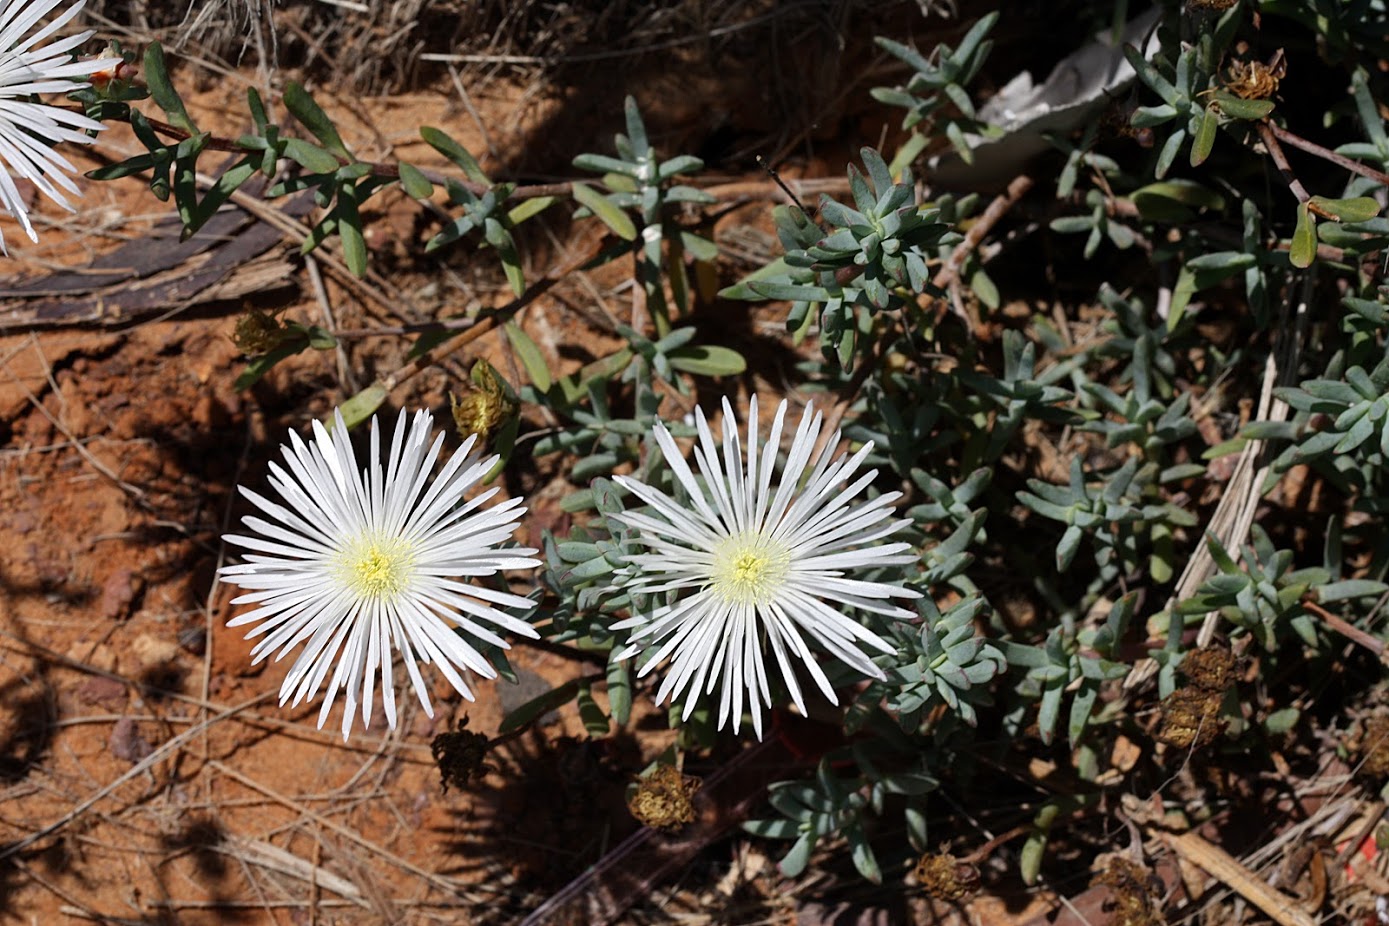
1340,160
1346,629
381,169
475,328
1275,151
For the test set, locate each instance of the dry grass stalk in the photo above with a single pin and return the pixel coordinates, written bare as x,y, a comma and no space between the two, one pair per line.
264,854
386,46
1234,514
160,752
444,884
1225,868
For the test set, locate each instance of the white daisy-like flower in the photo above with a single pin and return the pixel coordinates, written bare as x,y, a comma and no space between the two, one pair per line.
755,566
363,562
28,130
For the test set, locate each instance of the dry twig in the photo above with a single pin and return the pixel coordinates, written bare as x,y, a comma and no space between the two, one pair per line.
1225,868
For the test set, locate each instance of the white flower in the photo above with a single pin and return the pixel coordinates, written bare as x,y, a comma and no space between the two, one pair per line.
361,562
28,130
752,564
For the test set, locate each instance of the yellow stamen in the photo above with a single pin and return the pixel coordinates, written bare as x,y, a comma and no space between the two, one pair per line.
376,568
749,568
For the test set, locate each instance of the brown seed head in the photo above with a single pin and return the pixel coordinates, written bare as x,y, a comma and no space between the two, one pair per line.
945,877
1209,669
664,799
1135,899
259,332
485,405
1254,80
461,755
1374,748
1191,718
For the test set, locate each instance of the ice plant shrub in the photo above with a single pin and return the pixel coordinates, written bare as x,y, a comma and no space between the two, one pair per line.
29,129
1057,604
362,562
752,561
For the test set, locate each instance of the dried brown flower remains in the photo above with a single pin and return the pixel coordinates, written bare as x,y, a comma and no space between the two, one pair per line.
1374,748
664,799
1135,893
945,877
1191,715
485,405
259,332
1254,80
461,755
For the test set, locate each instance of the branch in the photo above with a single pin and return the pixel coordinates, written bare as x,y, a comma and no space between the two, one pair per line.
472,329
721,191
379,168
1275,151
1340,160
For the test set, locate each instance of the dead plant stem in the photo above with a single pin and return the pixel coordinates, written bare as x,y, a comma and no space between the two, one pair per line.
1280,161
1326,154
1346,629
163,749
457,890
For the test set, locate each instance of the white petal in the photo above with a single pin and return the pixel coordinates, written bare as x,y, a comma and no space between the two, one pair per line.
29,130
331,504
814,514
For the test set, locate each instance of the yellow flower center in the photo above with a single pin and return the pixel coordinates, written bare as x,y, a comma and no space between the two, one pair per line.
377,567
749,568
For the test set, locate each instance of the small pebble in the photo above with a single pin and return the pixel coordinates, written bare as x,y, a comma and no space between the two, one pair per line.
128,743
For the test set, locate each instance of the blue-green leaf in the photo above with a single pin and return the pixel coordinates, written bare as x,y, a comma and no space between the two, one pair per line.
708,360
307,111
162,89
530,355
362,405
612,216
415,184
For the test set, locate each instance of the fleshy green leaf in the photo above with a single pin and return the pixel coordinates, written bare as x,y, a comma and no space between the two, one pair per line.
306,110
530,208
1168,153
1303,249
603,208
1175,200
1349,589
1237,108
795,860
162,90
789,291
708,360
1356,209
261,365
700,248
530,355
221,191
363,405
983,287
415,184
311,157
257,107
136,165
620,692
539,707
595,721
442,143
1205,136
